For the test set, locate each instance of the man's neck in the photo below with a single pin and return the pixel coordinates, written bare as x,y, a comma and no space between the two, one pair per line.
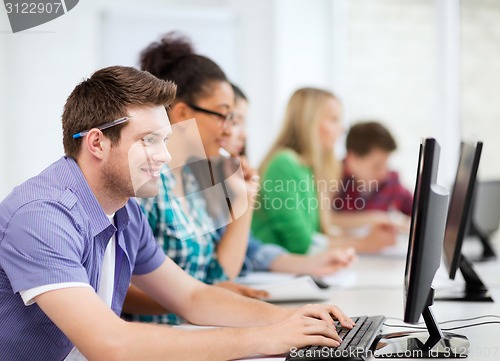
347,169
107,198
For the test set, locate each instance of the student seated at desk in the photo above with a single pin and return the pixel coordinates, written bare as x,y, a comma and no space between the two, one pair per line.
72,240
370,192
272,257
300,176
178,213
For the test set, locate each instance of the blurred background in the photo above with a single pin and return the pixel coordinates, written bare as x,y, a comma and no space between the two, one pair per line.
421,67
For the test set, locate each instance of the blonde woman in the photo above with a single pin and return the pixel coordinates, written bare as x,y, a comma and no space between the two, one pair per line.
300,176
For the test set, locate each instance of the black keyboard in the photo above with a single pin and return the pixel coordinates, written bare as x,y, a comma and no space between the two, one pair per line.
355,345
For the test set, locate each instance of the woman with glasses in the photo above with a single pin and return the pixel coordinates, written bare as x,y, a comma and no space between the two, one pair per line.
178,214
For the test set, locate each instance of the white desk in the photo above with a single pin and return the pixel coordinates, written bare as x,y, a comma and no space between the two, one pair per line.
378,290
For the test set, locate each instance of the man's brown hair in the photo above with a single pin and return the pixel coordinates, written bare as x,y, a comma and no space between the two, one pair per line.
105,96
366,136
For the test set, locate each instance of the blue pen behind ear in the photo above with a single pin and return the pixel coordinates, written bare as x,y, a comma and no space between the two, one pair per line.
102,127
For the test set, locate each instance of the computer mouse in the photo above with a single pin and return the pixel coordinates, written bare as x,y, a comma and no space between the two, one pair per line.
320,283
318,280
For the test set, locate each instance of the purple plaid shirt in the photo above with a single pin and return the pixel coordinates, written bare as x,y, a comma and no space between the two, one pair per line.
53,230
390,195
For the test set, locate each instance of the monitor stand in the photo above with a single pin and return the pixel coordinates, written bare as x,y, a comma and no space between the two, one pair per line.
488,251
474,291
432,344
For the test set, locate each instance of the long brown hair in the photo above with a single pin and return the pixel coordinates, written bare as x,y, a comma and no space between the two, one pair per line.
299,134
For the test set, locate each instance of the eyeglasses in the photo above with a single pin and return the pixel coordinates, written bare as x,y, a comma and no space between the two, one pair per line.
224,118
102,127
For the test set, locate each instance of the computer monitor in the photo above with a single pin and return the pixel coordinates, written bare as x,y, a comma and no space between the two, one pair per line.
486,210
485,217
425,245
459,215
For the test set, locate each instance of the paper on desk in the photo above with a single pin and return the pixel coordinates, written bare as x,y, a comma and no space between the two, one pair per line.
286,287
346,277
263,278
343,278
398,250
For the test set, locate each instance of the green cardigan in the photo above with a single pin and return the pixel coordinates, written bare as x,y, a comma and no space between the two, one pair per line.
287,212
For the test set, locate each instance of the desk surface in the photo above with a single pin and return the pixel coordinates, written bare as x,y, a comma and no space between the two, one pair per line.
378,290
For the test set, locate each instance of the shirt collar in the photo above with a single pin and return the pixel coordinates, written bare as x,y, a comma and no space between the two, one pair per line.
98,220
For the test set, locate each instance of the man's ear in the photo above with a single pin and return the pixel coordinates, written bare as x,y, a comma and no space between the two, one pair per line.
180,111
349,156
96,144
352,161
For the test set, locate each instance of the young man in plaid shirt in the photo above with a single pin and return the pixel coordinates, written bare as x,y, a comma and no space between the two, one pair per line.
369,193
366,175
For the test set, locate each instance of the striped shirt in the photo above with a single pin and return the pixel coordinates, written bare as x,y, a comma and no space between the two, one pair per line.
53,230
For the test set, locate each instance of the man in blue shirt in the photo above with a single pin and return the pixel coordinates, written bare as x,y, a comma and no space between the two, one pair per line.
71,241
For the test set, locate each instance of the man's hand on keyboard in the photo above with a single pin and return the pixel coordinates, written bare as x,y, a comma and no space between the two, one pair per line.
307,325
327,313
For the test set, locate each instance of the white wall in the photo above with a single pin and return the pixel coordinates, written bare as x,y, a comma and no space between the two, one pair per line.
256,68
302,55
480,83
41,68
381,56
126,32
392,72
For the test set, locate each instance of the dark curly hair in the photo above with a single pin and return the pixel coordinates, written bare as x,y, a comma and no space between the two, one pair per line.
173,58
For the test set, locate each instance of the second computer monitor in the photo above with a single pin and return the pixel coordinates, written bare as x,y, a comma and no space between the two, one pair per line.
485,217
430,207
458,219
459,211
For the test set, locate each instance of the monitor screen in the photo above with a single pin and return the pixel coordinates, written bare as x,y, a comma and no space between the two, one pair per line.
486,209
426,232
460,205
